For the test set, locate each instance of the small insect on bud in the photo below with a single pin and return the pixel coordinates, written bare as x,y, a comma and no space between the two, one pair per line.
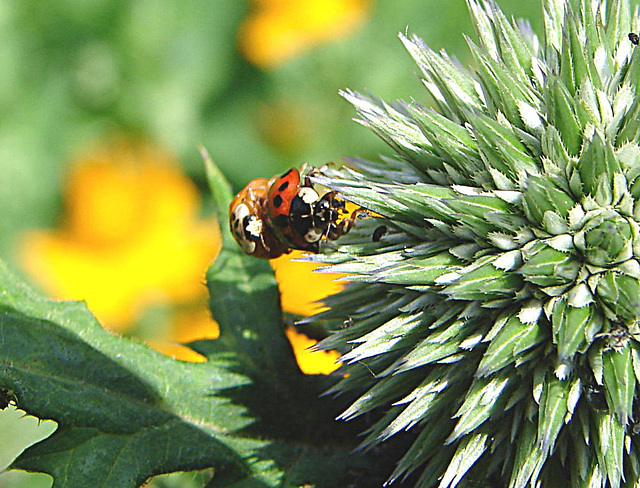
378,233
634,38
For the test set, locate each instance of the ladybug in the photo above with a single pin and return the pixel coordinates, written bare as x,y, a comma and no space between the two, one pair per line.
300,216
271,218
248,224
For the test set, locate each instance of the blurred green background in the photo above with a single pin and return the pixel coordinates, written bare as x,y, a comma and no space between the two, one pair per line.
174,74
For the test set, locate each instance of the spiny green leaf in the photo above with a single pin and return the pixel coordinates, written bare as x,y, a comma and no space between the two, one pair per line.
546,266
542,195
573,328
513,340
386,391
562,115
114,398
620,381
618,23
450,140
428,442
501,149
484,399
544,284
597,158
553,411
610,446
621,293
469,451
440,345
416,271
454,90
483,282
384,339
396,128
501,40
529,458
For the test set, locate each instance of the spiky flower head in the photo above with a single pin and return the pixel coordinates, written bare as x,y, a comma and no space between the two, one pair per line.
495,314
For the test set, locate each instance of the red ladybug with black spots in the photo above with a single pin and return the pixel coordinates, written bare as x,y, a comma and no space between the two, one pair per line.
271,218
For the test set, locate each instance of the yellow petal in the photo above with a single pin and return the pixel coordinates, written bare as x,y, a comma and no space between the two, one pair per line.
300,286
311,362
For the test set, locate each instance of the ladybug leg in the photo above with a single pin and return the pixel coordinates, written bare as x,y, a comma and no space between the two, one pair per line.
339,229
265,245
355,215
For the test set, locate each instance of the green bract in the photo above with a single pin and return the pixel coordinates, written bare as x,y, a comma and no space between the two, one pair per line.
495,320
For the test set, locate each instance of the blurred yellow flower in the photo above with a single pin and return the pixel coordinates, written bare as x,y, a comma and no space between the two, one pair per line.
309,361
131,237
278,30
300,286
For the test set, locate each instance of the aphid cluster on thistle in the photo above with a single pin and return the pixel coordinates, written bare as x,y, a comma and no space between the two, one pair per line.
269,218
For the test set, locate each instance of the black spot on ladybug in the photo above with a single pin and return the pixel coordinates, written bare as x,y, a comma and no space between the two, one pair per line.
284,175
277,201
283,186
634,38
378,233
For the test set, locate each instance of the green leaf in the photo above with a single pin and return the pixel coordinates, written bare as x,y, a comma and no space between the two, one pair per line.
621,293
529,457
454,90
542,195
451,141
619,381
485,399
440,345
469,451
618,22
502,41
573,328
428,442
610,446
501,149
597,160
511,342
126,413
413,271
478,212
396,128
119,405
386,338
244,300
552,412
483,281
562,114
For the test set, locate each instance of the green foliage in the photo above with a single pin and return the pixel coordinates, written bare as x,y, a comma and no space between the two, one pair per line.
119,406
